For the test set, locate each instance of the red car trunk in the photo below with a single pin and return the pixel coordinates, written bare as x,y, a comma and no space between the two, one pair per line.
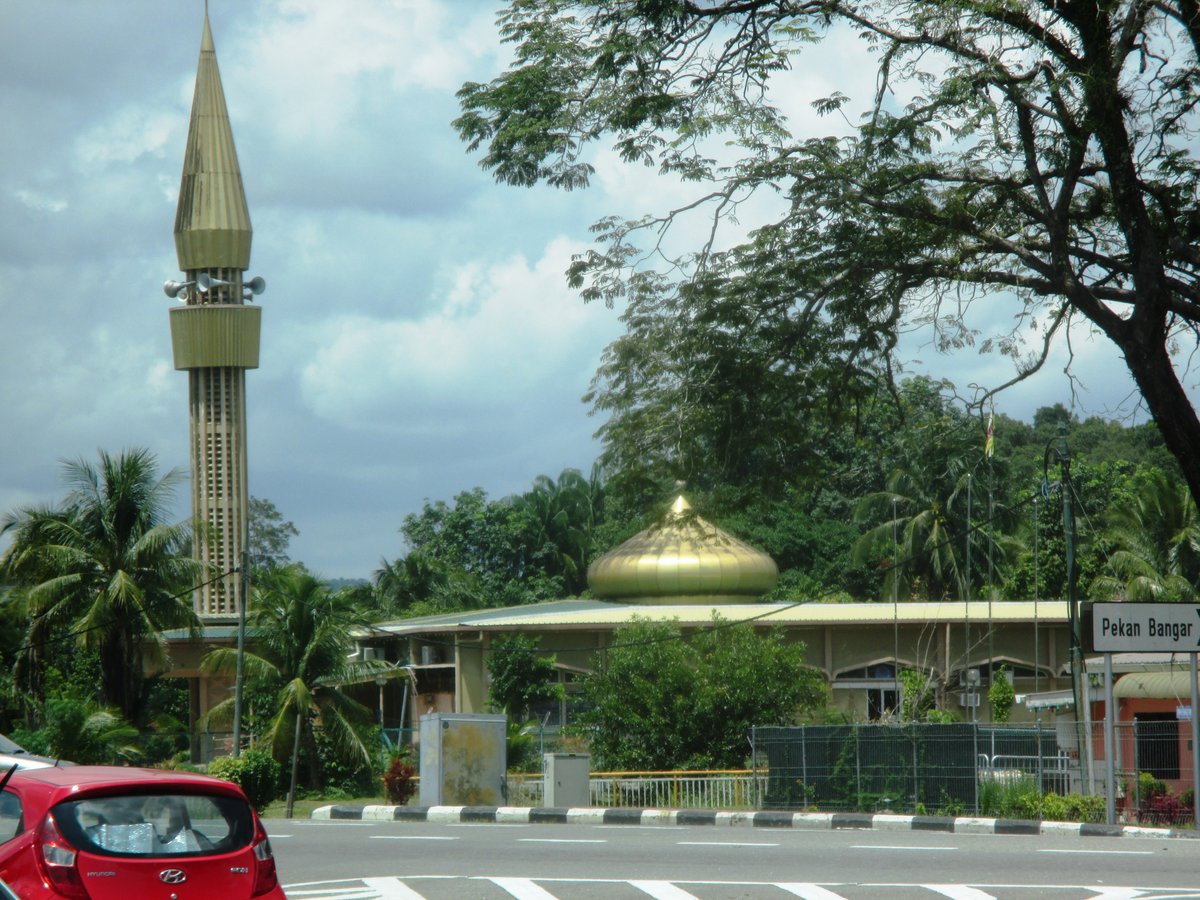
230,877
105,833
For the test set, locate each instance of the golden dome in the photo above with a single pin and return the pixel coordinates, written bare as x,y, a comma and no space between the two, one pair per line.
683,560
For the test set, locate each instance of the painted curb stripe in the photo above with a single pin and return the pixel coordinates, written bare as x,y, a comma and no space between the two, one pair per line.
933,823
1017,826
765,819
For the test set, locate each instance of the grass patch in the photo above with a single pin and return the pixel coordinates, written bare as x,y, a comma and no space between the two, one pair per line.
303,807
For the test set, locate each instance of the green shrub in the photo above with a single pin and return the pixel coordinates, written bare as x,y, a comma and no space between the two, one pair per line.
1001,696
1148,786
1008,798
1055,808
255,772
1086,809
1027,805
345,775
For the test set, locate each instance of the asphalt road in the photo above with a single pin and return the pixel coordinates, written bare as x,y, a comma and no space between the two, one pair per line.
388,860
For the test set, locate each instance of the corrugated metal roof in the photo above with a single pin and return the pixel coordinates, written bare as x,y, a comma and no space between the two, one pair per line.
593,613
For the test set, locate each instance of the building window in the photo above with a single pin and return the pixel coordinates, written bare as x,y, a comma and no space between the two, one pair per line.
879,683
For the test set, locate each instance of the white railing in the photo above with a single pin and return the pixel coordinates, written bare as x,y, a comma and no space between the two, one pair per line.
1052,772
720,789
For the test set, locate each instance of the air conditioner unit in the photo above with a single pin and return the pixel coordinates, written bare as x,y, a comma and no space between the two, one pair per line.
372,653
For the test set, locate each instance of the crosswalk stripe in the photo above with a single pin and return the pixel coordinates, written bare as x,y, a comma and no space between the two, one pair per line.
523,888
810,891
341,893
391,889
662,890
959,892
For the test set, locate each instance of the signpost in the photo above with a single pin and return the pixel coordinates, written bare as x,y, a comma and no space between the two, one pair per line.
1145,628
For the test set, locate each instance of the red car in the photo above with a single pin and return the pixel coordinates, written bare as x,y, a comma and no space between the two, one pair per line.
111,833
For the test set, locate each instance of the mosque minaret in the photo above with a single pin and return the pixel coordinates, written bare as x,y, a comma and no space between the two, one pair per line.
215,336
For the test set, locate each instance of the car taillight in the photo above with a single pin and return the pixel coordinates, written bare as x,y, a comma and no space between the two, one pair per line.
265,878
57,860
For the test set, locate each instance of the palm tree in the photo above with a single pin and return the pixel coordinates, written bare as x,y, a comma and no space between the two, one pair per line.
1157,545
564,515
299,635
927,535
105,569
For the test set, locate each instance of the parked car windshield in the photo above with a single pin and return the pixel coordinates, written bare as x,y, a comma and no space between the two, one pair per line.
156,824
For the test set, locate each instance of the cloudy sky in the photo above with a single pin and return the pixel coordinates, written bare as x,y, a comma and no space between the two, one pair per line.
418,335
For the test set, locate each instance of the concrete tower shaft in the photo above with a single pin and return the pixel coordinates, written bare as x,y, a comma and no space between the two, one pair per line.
215,337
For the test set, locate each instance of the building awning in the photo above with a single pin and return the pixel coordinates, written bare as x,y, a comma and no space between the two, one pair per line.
1050,700
1176,685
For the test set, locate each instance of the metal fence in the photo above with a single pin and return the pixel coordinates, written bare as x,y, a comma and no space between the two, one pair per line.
730,789
1011,771
902,768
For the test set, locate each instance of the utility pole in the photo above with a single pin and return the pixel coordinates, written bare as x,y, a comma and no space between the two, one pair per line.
244,572
1079,693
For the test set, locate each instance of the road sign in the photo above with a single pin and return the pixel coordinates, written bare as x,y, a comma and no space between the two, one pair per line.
1145,627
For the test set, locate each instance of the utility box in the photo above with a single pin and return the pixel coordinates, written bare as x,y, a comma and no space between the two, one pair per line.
464,760
567,780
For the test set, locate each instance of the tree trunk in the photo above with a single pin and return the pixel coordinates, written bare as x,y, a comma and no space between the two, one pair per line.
1169,404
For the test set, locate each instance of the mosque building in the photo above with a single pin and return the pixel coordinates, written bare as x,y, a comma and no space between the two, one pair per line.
685,570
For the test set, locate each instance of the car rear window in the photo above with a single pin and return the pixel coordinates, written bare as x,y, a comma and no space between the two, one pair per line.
7,746
156,824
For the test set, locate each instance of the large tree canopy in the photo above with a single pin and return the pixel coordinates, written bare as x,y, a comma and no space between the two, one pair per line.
1037,157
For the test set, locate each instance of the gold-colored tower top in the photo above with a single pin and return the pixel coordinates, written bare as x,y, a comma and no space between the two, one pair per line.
212,221
686,559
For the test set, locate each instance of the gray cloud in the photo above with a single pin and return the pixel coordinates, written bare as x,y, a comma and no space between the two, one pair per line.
418,338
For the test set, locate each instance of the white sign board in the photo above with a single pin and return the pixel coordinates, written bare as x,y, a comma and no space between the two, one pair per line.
1146,627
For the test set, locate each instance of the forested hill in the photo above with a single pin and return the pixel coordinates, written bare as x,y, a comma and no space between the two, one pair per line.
895,493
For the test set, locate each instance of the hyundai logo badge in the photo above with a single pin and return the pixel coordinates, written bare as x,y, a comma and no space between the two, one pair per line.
172,876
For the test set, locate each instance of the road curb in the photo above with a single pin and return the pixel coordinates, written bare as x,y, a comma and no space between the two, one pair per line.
771,819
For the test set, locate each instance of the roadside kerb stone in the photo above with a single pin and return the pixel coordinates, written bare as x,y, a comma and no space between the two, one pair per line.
763,819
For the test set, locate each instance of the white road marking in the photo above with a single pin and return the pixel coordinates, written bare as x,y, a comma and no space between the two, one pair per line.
1104,852
723,844
900,847
959,892
395,888
409,837
522,888
662,890
392,889
810,891
562,840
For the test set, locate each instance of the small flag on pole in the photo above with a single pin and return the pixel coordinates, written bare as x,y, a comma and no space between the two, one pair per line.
989,448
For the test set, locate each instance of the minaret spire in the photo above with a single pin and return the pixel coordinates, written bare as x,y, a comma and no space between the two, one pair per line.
215,336
212,221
